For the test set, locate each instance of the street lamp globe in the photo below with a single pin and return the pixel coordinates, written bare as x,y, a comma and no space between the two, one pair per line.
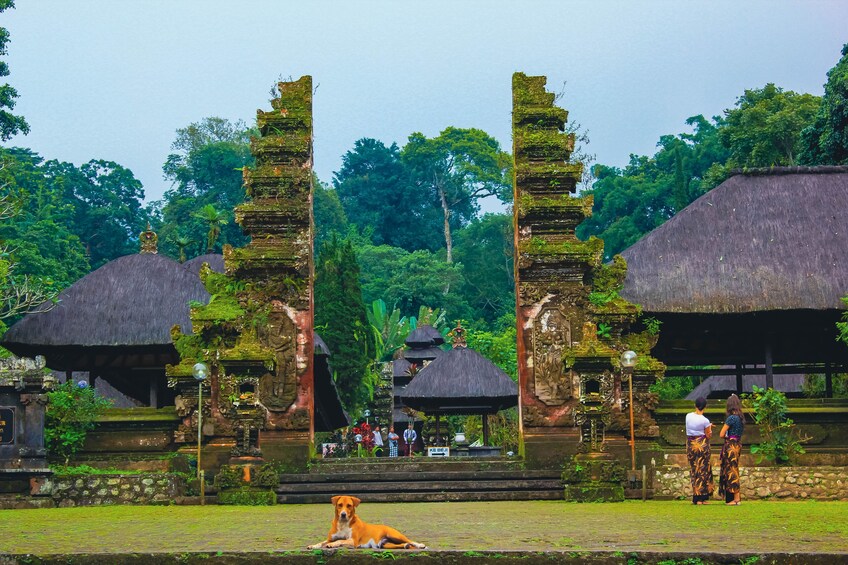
628,359
200,371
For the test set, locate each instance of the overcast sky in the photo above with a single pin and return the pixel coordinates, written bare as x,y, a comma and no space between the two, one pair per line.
114,79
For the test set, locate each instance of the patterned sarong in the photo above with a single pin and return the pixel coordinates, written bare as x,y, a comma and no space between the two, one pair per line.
728,484
393,444
701,471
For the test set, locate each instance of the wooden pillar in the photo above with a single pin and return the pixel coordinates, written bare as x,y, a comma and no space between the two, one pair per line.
438,434
154,393
485,429
828,380
739,388
769,368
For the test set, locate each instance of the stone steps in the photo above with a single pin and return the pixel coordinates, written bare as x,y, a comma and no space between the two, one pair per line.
419,481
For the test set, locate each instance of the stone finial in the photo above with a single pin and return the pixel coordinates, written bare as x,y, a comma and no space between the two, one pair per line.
458,335
149,241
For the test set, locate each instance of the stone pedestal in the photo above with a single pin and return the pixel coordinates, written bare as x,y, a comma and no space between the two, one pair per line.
593,477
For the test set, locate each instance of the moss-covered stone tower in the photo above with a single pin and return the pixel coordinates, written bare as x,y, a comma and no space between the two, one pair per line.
256,332
572,324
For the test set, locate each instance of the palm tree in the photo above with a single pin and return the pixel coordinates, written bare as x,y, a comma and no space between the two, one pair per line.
182,241
214,219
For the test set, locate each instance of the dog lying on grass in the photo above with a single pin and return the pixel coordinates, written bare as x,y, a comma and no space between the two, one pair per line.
348,530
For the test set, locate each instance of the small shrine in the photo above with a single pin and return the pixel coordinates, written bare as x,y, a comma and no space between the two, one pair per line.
461,381
23,399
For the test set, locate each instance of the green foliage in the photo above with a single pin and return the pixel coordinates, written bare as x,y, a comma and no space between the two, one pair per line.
455,170
673,388
780,441
390,330
632,201
106,202
206,169
246,496
764,130
825,142
329,215
10,125
341,320
408,281
485,249
214,220
815,386
498,345
71,413
37,241
651,324
842,326
376,192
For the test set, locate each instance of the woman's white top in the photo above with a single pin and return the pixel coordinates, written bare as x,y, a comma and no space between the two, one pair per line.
696,424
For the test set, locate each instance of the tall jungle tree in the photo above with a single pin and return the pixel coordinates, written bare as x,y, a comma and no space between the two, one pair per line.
825,142
341,320
206,169
10,124
457,169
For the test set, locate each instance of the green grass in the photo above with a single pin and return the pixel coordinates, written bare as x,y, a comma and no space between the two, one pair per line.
467,526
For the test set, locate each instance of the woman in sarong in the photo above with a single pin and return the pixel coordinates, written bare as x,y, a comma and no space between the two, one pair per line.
728,484
698,432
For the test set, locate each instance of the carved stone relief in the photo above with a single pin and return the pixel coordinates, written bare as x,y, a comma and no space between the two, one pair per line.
551,336
278,388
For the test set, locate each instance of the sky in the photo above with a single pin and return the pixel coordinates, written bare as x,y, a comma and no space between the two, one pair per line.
115,79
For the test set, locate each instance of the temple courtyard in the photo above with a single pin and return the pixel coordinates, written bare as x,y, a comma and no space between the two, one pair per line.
629,532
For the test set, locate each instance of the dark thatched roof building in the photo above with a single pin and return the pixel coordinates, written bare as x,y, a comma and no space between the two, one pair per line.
751,273
115,323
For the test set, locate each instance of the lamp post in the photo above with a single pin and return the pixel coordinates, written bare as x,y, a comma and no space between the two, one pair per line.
200,371
628,361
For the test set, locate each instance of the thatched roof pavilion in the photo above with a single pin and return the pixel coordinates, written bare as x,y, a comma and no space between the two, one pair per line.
751,273
461,381
116,322
118,316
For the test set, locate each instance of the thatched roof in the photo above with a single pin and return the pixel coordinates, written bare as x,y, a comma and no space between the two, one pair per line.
762,240
400,367
131,301
419,355
461,381
424,336
215,260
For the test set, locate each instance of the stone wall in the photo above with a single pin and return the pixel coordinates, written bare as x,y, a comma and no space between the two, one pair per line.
91,490
788,483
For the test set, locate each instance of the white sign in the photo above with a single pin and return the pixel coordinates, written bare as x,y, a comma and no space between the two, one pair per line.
438,451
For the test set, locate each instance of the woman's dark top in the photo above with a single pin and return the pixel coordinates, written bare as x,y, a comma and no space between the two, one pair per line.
734,425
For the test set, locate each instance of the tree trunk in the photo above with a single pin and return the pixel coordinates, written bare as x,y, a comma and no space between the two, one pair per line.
446,211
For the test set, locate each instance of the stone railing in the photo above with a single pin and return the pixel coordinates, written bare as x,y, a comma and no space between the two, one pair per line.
94,490
787,483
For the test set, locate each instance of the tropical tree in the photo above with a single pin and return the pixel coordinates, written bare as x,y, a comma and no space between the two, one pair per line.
182,241
341,320
10,124
329,215
205,169
456,169
825,142
485,249
374,188
107,206
214,221
764,129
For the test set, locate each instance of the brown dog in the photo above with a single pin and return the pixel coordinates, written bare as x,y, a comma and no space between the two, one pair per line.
349,531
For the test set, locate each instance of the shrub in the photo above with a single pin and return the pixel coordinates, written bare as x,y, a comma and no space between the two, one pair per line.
780,440
72,410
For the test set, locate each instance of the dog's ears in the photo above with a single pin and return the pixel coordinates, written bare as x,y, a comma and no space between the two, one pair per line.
335,499
356,501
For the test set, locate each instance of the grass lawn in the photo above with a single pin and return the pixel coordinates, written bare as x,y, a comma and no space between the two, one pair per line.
769,526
